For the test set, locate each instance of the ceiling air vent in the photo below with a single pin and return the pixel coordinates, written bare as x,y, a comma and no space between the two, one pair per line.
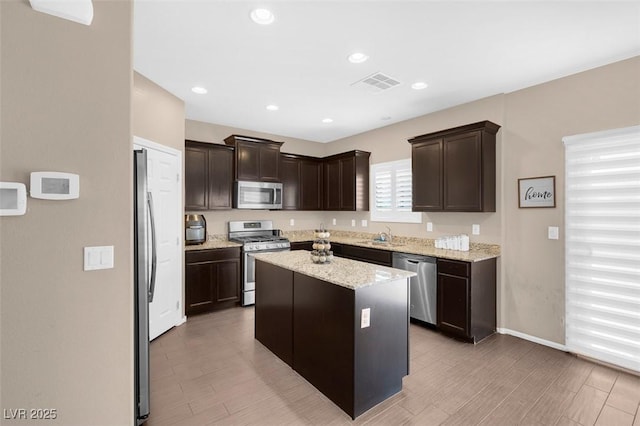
377,82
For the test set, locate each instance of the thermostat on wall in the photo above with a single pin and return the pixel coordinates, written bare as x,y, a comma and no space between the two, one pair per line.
55,185
13,199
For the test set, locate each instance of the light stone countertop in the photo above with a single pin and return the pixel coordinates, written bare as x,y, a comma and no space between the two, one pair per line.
347,273
411,245
214,243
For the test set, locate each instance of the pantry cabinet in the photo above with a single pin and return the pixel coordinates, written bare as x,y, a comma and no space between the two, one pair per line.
455,169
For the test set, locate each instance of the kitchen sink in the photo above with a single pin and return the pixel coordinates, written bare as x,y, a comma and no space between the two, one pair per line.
376,243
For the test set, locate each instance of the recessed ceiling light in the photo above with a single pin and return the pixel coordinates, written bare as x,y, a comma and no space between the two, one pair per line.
199,90
358,58
385,118
273,107
262,16
419,85
327,120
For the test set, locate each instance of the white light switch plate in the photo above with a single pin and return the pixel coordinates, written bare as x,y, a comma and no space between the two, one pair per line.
333,221
98,258
475,229
353,222
363,223
429,226
292,222
554,233
365,318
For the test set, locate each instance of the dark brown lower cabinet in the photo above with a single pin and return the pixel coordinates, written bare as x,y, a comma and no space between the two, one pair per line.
466,305
365,254
316,324
212,279
274,326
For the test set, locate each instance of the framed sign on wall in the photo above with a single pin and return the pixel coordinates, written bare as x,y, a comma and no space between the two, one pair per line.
537,192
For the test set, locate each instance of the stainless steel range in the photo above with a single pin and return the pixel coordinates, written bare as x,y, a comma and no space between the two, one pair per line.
256,236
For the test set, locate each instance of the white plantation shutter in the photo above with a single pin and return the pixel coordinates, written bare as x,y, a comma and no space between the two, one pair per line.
383,190
602,272
391,192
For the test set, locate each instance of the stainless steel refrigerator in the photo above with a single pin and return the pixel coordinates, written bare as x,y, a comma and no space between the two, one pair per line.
144,279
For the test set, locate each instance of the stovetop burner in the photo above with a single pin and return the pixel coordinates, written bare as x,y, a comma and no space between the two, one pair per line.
257,235
258,239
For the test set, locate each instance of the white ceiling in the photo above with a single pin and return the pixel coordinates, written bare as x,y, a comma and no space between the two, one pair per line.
463,50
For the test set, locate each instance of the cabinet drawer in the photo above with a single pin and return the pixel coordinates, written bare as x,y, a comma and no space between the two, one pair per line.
302,245
198,256
453,267
380,257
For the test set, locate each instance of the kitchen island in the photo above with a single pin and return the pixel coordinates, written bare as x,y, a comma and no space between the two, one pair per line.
343,326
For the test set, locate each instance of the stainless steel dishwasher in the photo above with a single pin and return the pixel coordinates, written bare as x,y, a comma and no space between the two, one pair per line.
422,291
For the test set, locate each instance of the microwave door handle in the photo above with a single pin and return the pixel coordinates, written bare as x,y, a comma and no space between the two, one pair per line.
154,257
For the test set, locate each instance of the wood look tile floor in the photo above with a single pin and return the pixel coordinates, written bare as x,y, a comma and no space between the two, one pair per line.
211,371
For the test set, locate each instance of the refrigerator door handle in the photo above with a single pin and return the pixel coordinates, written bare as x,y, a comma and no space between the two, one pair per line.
154,258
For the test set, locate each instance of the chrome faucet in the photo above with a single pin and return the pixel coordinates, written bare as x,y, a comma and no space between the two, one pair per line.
386,236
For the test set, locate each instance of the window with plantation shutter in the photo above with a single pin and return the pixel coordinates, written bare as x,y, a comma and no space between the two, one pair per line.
602,262
391,192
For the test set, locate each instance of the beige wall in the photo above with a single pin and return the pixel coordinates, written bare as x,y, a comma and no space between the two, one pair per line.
536,120
217,221
216,133
158,115
67,335
390,143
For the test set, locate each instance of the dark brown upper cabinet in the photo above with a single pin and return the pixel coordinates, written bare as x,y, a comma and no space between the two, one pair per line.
208,176
256,159
455,169
346,181
301,177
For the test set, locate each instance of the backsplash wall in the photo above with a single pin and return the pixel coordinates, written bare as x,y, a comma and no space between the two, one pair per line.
217,221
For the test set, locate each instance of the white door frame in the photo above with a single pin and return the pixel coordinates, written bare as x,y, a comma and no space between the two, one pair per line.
145,143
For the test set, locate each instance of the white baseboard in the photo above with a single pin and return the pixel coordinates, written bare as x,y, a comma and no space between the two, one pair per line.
533,339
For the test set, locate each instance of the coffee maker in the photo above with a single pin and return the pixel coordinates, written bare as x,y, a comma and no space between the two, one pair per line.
195,229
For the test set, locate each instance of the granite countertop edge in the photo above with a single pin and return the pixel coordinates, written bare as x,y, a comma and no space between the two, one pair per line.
212,244
351,274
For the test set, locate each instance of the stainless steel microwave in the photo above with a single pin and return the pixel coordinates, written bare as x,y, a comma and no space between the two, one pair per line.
258,195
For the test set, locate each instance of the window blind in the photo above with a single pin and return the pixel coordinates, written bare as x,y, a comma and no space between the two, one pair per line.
602,248
391,192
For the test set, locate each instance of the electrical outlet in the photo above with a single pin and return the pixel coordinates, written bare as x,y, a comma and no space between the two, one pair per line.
333,221
365,318
429,226
292,222
475,229
353,222
363,223
553,233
